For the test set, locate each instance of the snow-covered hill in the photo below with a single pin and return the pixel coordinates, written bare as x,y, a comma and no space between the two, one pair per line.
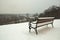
20,31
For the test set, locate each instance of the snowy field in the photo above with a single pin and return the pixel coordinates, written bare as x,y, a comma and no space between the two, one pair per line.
20,31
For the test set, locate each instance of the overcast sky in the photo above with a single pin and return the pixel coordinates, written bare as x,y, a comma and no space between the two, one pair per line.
26,6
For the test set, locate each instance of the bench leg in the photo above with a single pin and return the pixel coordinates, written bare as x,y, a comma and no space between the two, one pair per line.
29,26
36,30
52,25
29,29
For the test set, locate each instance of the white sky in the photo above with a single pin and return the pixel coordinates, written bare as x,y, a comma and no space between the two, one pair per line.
26,6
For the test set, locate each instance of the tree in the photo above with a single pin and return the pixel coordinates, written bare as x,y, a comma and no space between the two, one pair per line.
41,15
53,11
35,15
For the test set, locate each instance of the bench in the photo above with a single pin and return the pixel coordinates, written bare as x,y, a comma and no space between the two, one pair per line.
39,22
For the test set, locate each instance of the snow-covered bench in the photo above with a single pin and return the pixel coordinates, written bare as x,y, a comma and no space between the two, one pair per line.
40,22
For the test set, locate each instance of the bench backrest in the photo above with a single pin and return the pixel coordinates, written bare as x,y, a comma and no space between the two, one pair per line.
41,19
45,19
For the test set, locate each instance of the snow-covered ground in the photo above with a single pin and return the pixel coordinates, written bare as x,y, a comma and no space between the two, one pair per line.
20,31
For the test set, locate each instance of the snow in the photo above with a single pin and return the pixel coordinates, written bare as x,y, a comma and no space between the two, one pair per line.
20,31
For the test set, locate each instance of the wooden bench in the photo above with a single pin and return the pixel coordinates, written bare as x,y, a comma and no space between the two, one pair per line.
39,22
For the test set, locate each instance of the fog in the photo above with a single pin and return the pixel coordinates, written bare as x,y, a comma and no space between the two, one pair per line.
26,6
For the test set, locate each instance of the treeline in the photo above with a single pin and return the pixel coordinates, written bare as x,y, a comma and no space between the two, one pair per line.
53,11
15,18
11,18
